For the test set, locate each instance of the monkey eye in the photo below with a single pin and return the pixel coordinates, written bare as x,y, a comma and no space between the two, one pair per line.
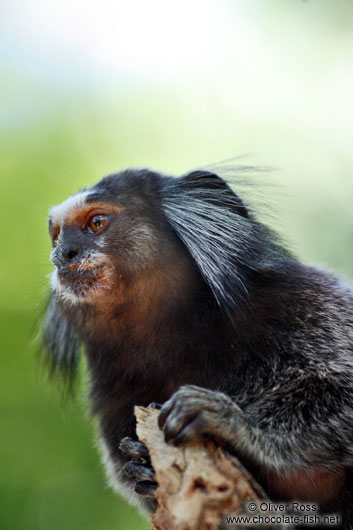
96,223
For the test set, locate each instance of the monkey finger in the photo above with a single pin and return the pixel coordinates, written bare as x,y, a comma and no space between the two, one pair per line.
165,411
190,398
133,448
139,471
168,408
176,423
192,431
146,488
179,410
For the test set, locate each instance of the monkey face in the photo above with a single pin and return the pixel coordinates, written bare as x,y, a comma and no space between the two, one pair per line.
83,271
104,239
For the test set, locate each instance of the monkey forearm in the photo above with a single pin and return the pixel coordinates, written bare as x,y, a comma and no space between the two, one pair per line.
192,411
287,450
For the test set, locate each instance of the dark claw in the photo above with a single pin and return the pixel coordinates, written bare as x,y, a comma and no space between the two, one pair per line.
166,409
146,488
139,471
176,423
133,448
154,405
191,431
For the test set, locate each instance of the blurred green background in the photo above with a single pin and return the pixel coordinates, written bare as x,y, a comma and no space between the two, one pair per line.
88,88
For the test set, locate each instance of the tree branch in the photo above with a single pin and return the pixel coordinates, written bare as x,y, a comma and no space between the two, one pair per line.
199,483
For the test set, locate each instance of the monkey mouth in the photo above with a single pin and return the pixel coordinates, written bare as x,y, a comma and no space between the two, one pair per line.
82,282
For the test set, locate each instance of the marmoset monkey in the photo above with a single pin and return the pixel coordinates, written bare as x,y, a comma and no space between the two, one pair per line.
180,296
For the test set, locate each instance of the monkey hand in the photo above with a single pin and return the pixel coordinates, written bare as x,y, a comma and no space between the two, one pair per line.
139,468
193,411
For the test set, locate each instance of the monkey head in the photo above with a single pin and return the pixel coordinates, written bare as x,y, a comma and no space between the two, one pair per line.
138,234
111,241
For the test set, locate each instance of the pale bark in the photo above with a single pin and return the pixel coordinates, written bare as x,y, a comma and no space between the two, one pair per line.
199,483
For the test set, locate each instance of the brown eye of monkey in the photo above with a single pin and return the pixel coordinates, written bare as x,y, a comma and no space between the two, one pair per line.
97,222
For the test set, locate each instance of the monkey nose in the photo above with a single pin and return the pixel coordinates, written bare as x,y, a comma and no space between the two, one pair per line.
69,253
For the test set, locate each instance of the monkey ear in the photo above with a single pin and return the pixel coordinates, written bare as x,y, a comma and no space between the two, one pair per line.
215,227
60,345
